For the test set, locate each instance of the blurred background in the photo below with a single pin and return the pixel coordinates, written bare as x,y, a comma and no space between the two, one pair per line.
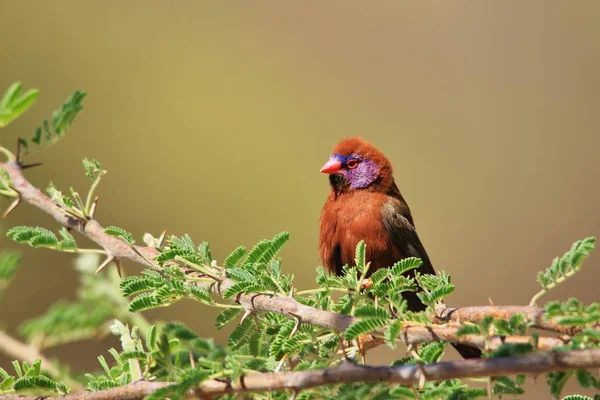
214,118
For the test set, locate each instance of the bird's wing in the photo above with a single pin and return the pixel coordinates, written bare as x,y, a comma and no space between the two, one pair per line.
396,219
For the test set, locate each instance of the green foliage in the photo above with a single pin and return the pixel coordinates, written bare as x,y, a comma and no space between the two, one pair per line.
29,378
40,237
504,385
235,257
573,313
13,103
363,326
98,301
568,264
564,267
92,169
435,287
66,322
51,132
577,397
120,233
9,264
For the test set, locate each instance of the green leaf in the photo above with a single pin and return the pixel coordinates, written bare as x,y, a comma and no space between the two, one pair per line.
275,245
468,329
9,264
391,333
120,233
50,133
92,169
557,381
151,335
10,95
68,241
226,316
363,326
567,265
234,258
436,294
505,385
240,275
39,381
240,334
360,257
370,310
402,392
144,301
257,251
240,287
12,105
135,284
201,294
405,265
511,349
432,352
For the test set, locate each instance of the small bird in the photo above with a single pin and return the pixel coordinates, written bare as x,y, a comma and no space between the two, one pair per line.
365,204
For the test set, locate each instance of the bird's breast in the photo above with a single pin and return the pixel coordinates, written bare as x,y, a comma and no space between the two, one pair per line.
346,221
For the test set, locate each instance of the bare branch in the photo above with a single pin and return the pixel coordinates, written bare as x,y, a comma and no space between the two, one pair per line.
476,314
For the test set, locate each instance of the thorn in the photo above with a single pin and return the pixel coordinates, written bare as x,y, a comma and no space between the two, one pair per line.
93,207
298,322
105,264
192,360
421,376
118,265
280,364
246,315
161,238
10,208
294,394
26,166
491,301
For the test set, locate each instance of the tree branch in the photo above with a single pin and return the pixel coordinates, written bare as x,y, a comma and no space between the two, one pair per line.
413,334
119,249
533,364
476,314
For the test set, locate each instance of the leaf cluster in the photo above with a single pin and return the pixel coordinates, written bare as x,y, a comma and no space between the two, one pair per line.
29,378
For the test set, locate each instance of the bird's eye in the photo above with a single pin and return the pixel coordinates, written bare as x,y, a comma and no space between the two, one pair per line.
353,163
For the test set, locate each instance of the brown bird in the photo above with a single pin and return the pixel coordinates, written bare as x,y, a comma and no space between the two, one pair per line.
365,204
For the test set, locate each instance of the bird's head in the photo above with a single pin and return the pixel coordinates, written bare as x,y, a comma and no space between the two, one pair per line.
355,164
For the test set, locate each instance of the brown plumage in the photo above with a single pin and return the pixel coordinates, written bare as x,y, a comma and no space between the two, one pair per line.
365,204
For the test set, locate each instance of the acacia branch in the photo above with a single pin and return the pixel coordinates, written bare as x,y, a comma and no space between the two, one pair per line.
287,305
420,334
532,364
119,249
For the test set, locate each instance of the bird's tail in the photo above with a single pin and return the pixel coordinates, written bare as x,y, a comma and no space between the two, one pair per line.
467,351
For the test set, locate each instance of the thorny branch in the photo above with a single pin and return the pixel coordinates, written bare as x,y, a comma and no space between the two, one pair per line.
447,320
532,364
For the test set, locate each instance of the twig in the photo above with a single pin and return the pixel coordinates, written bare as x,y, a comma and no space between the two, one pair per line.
349,372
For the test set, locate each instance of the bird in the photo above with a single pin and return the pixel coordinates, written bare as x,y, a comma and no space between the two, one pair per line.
365,204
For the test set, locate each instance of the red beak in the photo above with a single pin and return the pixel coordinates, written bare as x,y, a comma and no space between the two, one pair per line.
333,166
